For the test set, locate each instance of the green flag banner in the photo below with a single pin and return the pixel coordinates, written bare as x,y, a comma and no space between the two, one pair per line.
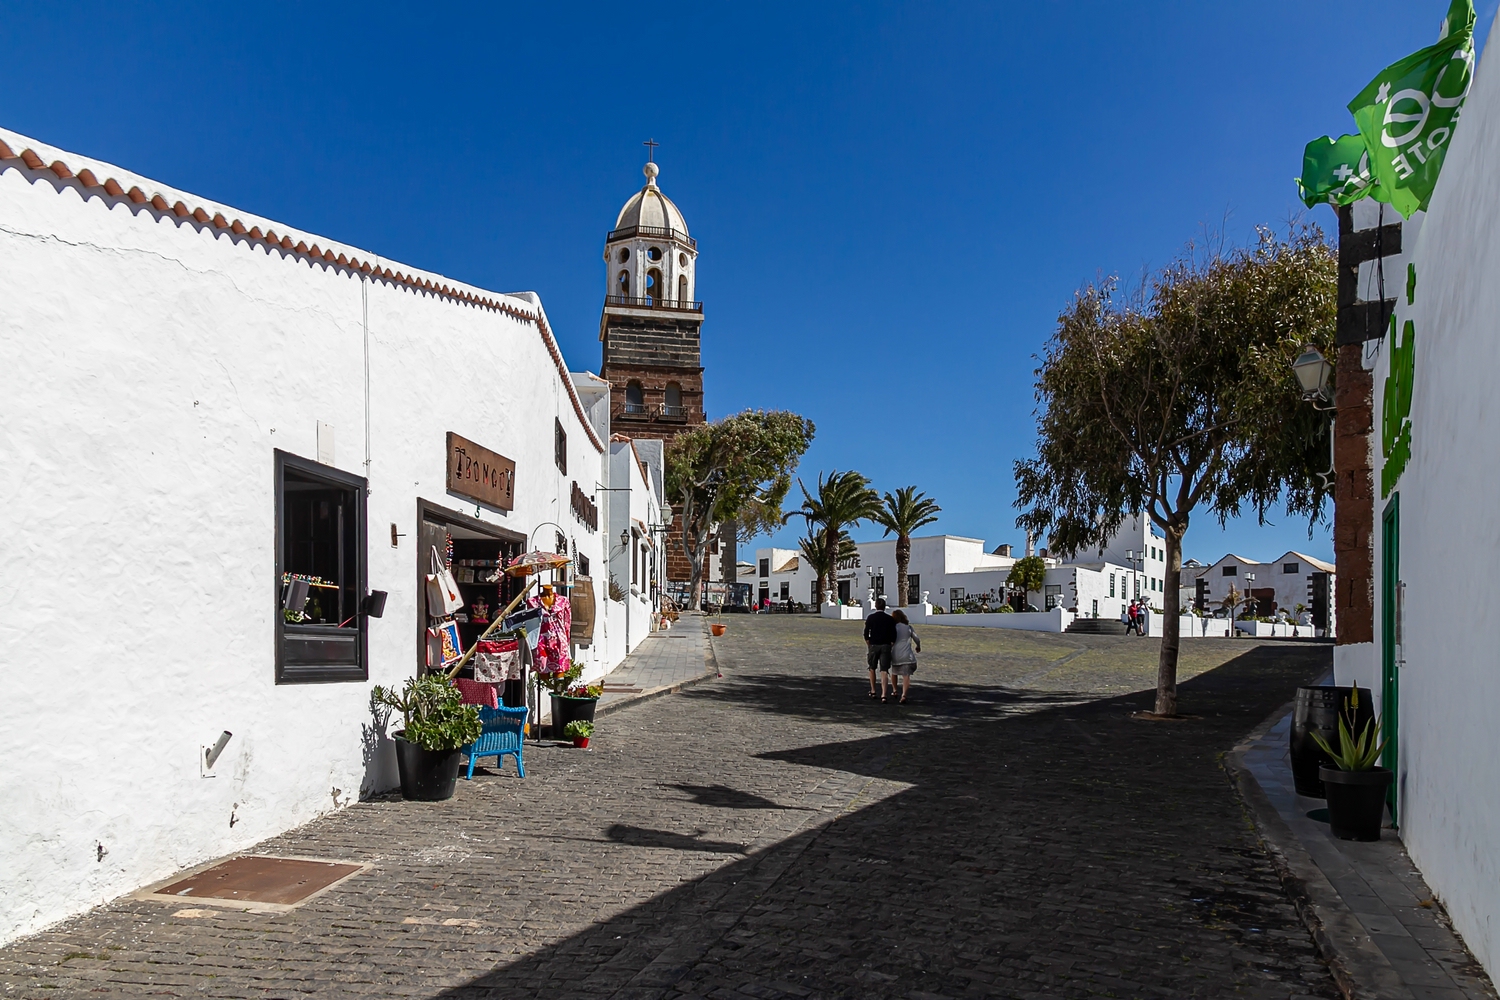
1337,171
1407,114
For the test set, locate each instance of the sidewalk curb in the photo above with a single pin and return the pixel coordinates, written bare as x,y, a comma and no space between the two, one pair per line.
711,671
1359,968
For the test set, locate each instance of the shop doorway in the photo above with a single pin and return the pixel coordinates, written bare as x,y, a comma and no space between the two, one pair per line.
1390,642
844,591
477,553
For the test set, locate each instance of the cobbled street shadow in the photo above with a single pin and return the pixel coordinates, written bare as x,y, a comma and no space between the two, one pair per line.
1013,833
1040,850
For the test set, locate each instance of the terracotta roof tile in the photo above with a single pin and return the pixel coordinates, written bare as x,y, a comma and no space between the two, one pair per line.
86,178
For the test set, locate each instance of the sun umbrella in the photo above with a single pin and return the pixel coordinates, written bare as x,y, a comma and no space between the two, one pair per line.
536,561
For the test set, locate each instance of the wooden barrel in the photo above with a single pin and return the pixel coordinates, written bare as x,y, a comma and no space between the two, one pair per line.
1316,710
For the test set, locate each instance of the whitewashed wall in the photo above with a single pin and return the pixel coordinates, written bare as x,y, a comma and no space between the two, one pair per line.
152,364
1450,536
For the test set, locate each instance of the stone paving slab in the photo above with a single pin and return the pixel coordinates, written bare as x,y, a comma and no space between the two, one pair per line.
665,662
1379,925
1014,832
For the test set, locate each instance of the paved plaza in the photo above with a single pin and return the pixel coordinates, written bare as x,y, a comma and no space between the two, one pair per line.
772,833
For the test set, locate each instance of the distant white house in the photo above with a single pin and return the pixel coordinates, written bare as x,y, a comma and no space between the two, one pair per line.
1293,581
952,570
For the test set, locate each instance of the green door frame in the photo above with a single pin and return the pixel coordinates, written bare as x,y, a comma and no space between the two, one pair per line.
1390,686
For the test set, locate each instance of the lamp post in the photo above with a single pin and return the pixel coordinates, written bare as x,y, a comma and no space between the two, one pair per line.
1249,586
1132,557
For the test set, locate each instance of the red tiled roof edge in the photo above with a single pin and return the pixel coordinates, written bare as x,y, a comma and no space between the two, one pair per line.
114,189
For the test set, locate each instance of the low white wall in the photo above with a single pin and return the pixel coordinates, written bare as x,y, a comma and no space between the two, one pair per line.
842,612
1056,620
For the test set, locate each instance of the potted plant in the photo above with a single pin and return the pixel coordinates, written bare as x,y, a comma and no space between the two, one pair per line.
435,725
579,731
571,702
1355,786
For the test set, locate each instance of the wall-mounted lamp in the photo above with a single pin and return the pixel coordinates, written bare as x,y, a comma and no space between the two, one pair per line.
1312,371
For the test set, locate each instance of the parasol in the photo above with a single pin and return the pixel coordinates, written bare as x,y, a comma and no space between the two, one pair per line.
534,562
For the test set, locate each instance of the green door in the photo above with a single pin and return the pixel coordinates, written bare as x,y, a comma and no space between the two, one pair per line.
1390,687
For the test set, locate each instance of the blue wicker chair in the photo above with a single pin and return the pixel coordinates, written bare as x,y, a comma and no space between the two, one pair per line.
501,736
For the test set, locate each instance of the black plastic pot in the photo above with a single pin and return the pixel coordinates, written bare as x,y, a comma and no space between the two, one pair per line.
1356,801
566,710
426,775
1316,710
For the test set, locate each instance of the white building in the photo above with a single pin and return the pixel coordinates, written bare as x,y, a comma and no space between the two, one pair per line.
1432,664
954,571
637,569
198,405
1295,580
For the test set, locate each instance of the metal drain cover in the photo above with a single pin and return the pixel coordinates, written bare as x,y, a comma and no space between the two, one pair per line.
256,882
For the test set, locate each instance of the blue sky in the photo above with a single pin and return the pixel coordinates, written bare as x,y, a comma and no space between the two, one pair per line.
892,202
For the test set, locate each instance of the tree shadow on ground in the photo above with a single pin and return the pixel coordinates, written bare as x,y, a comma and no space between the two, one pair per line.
1067,850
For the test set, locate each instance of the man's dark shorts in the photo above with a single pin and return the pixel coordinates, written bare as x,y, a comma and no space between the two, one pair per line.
880,656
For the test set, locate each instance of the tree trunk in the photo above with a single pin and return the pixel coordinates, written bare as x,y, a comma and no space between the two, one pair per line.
1171,631
903,560
694,545
831,547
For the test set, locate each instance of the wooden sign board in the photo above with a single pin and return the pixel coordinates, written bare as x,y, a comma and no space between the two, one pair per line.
481,475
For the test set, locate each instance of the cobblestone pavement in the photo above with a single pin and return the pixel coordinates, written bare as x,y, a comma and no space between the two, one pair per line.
664,660
1013,833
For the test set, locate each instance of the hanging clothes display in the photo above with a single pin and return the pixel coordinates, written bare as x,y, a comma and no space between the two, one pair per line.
557,624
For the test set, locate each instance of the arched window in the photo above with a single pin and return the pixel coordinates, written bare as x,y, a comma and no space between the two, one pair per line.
682,295
623,283
635,400
673,407
653,284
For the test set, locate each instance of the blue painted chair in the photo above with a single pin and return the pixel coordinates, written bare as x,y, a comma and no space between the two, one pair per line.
501,736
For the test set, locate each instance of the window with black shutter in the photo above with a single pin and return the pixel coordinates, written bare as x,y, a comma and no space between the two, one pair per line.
560,447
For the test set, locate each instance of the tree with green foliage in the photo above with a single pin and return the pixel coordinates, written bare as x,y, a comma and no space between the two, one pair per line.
1181,400
717,472
842,501
903,513
1027,574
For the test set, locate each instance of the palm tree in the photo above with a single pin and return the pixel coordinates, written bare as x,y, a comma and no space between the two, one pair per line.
843,500
903,513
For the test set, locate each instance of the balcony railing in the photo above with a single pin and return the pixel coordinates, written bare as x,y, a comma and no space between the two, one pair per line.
657,231
654,412
645,302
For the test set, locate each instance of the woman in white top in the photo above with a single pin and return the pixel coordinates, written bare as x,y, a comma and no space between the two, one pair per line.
903,655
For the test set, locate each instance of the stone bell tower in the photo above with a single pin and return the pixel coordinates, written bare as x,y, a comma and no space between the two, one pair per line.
650,329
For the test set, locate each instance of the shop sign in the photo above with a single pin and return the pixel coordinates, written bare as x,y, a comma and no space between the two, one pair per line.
585,509
481,475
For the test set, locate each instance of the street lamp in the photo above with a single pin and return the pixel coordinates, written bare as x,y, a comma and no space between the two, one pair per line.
1132,556
1312,371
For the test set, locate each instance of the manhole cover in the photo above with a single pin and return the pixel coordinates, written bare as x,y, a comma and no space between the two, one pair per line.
256,882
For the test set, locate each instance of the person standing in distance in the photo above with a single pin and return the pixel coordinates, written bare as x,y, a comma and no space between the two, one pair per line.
880,635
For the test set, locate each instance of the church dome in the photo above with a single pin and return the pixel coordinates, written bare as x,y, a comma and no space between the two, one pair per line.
648,208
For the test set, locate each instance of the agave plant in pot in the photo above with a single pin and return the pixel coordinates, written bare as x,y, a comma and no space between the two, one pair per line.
1355,786
436,724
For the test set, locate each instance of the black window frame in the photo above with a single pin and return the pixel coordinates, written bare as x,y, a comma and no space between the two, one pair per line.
303,673
1292,568
560,446
1230,571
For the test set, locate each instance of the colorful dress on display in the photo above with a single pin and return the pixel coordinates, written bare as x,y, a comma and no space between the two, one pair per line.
557,627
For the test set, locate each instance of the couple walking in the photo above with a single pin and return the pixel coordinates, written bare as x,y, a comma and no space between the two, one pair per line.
892,648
